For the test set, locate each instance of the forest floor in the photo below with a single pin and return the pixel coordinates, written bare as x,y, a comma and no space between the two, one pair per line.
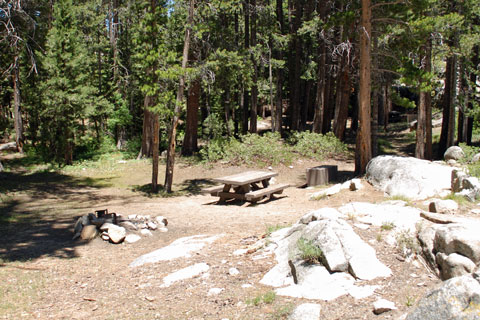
44,274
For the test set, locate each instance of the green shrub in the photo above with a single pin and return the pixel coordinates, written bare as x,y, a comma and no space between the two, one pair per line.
309,251
254,149
214,150
315,145
469,151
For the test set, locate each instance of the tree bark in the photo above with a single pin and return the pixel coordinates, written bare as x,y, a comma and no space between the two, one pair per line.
319,112
190,141
19,139
342,98
448,123
363,152
246,98
253,41
178,103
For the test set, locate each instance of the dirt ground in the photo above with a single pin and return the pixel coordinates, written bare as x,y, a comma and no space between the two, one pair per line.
46,275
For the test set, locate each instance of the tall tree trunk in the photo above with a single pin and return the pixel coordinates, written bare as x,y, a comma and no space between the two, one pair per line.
190,141
176,113
295,53
148,132
254,108
156,151
342,98
463,107
320,96
363,151
279,73
19,139
472,92
448,123
246,99
329,104
423,110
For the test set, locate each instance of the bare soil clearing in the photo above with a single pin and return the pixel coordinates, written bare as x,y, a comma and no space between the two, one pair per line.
44,274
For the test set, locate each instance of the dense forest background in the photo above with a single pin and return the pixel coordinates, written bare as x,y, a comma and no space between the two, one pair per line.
79,76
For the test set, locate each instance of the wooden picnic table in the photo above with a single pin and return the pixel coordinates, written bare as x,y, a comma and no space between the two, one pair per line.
249,186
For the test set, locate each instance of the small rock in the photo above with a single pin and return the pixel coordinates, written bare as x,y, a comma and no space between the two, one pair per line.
106,226
443,206
233,271
146,232
451,162
454,153
476,157
270,168
381,305
215,291
152,225
163,229
149,298
117,234
291,167
105,237
89,232
161,220
128,225
475,211
247,285
131,238
355,184
132,217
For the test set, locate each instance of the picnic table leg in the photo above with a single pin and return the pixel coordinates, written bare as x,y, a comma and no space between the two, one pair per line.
266,182
226,188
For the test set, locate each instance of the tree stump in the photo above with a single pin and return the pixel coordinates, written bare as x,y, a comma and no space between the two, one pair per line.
321,175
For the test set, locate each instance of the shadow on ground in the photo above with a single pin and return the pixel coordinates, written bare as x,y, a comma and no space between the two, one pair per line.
187,187
37,212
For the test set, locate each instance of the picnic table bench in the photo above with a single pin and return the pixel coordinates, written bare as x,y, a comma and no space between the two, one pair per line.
249,186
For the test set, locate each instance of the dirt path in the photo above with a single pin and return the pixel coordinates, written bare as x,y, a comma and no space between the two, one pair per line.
46,275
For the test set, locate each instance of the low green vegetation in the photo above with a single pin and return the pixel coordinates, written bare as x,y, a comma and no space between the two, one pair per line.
407,244
271,149
309,251
263,298
461,200
387,226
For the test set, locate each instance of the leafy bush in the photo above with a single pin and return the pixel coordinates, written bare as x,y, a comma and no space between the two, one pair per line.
469,151
315,145
268,149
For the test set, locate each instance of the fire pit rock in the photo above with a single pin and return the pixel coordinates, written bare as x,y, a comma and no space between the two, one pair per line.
115,228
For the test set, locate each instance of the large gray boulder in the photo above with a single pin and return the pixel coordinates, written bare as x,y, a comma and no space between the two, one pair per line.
453,153
409,177
457,298
453,249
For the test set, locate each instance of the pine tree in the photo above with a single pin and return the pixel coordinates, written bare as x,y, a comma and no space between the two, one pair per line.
67,91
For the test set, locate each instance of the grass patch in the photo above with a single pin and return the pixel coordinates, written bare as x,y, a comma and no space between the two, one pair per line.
387,226
400,198
309,251
409,301
265,298
461,200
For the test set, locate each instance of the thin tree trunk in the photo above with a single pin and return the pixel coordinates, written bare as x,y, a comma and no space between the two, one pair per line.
178,103
320,97
156,151
363,152
342,99
246,99
279,73
254,108
19,139
190,141
448,122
